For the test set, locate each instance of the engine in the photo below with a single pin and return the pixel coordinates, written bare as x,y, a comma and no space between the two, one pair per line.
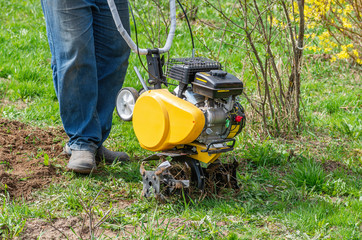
201,118
225,118
213,91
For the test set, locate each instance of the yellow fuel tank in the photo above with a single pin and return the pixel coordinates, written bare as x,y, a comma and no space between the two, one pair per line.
162,121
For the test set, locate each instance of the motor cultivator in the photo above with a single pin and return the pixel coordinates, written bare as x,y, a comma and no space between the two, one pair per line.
194,124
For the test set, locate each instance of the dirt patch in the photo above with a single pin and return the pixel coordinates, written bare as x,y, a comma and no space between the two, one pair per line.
58,229
331,166
19,104
76,227
63,228
28,157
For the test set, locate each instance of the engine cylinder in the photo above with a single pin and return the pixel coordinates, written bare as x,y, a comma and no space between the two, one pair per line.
215,116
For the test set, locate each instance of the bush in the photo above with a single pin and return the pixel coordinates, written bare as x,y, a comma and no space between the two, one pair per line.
335,28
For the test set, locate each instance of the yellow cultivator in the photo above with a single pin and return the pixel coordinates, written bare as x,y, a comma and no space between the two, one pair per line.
190,127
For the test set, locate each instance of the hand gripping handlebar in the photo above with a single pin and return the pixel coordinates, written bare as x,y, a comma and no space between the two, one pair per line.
129,40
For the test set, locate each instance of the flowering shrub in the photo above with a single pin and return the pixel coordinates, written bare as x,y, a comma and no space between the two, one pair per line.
335,28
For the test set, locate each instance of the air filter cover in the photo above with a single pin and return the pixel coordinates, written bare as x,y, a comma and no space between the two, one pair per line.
184,69
217,84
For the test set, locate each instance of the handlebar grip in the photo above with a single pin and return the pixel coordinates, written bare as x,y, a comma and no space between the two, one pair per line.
129,40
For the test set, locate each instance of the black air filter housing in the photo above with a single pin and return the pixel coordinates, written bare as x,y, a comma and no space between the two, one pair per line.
217,84
184,69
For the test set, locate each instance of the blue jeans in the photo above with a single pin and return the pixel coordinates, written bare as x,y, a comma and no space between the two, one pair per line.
89,63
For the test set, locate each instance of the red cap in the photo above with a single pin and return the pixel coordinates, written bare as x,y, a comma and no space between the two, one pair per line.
238,118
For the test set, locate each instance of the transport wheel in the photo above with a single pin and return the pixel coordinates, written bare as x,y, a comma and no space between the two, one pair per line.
142,90
125,101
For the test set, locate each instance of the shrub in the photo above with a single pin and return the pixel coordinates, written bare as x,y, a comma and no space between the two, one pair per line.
335,28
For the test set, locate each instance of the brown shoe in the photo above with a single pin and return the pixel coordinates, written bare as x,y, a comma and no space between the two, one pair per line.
82,162
108,156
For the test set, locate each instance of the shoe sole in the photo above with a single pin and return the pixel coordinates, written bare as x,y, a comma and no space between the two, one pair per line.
82,171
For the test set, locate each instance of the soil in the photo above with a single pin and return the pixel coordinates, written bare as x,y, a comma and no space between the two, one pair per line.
78,228
30,157
62,228
331,166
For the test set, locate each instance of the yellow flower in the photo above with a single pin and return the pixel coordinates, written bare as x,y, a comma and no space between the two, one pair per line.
334,44
324,35
333,58
313,48
311,25
348,9
355,52
275,22
343,55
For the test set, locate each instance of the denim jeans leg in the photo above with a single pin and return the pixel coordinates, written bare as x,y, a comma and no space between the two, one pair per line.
70,35
112,54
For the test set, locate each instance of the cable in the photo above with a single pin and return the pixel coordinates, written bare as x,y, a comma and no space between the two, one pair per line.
190,30
135,29
136,33
139,56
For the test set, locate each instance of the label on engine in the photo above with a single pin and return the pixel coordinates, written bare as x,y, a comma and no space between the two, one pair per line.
202,80
204,73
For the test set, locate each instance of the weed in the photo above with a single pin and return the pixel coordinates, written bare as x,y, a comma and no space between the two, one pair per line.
46,159
336,187
12,219
264,154
310,174
353,130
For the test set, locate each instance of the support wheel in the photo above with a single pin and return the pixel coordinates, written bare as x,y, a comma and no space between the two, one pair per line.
142,90
125,101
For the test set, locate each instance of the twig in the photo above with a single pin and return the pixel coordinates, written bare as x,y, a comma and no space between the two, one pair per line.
89,212
57,229
104,218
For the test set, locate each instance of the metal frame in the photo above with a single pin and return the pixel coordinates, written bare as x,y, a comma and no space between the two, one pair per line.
128,39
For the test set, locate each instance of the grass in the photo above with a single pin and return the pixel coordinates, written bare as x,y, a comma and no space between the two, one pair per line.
12,219
289,187
308,174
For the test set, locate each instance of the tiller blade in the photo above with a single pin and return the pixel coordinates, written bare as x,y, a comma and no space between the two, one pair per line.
162,181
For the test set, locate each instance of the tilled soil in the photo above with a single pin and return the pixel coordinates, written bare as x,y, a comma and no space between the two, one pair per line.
30,157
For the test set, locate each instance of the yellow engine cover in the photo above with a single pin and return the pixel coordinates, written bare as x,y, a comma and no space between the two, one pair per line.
162,121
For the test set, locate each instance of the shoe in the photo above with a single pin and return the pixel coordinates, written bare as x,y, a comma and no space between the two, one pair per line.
109,156
82,161
103,154
67,150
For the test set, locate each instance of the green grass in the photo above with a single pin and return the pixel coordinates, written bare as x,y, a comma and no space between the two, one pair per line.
12,218
285,189
308,174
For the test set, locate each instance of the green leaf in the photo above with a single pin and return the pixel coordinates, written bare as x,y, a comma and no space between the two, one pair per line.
46,159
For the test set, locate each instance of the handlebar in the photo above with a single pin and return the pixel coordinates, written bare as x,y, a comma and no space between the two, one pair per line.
129,40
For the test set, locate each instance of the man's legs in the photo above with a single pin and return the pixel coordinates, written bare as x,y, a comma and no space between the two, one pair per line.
89,62
70,33
112,54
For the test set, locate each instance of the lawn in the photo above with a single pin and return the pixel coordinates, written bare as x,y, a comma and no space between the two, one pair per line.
307,186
